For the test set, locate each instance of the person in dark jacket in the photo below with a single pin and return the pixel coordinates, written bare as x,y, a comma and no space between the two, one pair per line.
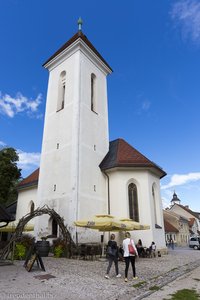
112,256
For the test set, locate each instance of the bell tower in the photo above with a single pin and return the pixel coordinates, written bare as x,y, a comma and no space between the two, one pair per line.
75,137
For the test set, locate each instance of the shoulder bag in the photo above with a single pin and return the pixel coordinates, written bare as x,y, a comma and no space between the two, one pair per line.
131,249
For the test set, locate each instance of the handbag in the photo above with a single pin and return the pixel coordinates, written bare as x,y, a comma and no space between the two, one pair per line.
131,249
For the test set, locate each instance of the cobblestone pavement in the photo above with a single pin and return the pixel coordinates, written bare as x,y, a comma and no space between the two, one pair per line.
83,279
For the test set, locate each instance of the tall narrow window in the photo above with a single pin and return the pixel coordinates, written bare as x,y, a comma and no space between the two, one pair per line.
54,228
61,91
93,93
133,202
32,207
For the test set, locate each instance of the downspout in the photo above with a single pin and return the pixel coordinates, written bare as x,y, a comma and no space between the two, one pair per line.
108,191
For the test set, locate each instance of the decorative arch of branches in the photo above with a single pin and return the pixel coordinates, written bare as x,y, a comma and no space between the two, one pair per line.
38,212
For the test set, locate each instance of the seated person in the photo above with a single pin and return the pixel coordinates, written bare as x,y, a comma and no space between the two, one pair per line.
153,248
140,248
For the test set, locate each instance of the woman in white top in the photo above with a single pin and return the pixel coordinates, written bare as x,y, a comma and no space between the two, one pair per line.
129,257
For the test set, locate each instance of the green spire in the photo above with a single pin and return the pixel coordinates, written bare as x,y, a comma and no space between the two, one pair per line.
80,23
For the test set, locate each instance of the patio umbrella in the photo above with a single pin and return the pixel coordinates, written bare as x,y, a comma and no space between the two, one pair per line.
109,223
130,225
99,222
13,225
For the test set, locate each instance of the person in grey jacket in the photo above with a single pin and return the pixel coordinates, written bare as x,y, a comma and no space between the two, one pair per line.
112,256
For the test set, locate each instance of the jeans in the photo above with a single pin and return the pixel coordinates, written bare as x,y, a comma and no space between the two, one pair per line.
112,259
129,259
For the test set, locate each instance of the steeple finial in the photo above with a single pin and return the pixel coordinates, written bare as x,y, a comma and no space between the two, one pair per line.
80,23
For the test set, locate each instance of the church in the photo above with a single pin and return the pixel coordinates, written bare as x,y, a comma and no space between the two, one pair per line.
81,173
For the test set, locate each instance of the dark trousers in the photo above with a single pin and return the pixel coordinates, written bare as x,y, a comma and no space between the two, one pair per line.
112,259
128,260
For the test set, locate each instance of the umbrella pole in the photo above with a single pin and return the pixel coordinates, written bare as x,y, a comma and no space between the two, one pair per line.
102,254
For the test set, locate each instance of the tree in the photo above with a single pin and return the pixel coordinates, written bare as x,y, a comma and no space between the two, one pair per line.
10,175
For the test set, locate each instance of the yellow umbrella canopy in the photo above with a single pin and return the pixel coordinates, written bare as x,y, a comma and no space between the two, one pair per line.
13,225
100,222
110,223
132,225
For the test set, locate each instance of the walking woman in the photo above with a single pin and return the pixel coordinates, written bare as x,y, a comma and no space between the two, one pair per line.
128,257
112,256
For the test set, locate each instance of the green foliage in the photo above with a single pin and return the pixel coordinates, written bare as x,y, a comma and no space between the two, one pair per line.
9,175
20,251
58,251
22,246
60,247
154,288
139,284
185,294
27,240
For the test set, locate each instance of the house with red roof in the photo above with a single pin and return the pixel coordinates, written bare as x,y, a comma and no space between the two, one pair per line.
81,173
185,211
176,228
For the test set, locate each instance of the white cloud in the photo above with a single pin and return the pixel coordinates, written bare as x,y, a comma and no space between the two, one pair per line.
186,13
2,144
28,160
179,180
10,106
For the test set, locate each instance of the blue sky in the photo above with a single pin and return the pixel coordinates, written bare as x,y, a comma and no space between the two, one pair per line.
153,93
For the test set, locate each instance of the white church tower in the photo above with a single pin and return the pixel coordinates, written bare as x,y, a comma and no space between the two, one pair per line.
75,138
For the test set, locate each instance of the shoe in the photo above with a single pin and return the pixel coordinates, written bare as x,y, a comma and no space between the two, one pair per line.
125,279
106,276
119,275
135,278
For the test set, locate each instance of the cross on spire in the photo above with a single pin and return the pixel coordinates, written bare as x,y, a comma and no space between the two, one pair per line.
80,23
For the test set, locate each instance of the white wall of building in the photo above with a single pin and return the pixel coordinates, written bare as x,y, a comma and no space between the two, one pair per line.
119,181
75,140
25,198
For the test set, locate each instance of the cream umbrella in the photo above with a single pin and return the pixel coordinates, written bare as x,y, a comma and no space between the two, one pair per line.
13,225
131,225
110,223
100,222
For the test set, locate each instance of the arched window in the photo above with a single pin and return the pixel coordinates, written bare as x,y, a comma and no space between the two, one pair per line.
93,93
54,228
133,202
61,91
32,207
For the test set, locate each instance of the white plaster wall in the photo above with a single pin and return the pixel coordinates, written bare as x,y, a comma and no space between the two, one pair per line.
119,181
83,142
94,141
25,197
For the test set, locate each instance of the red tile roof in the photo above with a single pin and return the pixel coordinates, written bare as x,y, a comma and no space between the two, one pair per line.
186,208
169,227
31,180
191,221
78,35
121,154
